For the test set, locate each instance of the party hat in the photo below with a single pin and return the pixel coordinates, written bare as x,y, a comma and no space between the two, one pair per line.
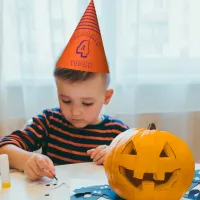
85,50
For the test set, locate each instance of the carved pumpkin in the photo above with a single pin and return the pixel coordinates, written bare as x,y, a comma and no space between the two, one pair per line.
147,164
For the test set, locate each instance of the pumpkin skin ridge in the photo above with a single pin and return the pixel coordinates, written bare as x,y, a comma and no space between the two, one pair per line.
110,154
113,158
113,180
179,148
114,151
108,163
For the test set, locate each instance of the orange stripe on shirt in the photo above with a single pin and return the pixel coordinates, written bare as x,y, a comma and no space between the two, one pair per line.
27,137
38,126
33,131
115,123
82,136
72,143
63,158
40,122
66,150
12,141
46,119
60,121
104,131
93,130
18,139
42,125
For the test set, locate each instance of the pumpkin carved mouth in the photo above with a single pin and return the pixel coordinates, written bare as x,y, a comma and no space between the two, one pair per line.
150,179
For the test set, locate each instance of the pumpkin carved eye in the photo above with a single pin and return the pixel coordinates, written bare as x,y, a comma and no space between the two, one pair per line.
163,154
130,149
167,151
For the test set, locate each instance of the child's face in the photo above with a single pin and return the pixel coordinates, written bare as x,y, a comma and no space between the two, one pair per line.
81,102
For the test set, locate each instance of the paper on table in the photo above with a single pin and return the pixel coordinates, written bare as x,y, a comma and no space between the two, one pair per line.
93,189
48,183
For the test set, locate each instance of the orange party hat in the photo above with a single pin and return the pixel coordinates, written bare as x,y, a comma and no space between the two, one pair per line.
85,50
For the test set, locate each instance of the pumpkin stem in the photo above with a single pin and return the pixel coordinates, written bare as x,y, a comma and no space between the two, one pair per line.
151,126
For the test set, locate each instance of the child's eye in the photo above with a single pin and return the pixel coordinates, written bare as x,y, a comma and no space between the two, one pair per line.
87,104
66,102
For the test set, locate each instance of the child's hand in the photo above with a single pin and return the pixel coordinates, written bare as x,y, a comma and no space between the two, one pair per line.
38,166
98,154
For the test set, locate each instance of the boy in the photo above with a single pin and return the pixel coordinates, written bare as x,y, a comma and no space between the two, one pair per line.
75,132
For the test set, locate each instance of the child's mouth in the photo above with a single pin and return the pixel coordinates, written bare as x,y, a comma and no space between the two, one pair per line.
77,120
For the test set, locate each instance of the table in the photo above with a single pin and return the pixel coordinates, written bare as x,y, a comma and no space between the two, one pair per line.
21,188
20,184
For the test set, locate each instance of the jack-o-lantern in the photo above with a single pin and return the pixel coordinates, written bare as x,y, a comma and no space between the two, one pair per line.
145,164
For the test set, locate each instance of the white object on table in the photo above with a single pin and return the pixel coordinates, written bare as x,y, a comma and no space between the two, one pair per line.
21,189
5,171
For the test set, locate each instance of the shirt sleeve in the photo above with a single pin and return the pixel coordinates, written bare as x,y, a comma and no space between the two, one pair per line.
32,137
123,127
117,125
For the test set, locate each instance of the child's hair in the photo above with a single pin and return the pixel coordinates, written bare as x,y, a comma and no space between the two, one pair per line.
78,76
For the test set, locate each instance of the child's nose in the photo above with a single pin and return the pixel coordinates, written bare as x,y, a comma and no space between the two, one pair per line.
76,111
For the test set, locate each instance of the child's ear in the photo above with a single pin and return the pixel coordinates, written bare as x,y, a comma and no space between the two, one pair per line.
108,96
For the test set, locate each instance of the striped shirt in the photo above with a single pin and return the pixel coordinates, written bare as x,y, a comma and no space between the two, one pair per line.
60,140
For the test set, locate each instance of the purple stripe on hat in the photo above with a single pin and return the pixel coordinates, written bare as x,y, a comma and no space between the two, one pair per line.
94,14
95,18
88,22
90,19
91,9
91,6
97,28
88,29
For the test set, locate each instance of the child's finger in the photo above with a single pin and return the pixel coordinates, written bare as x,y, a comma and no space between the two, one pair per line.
51,165
40,172
99,155
32,174
41,162
97,150
93,154
36,169
100,161
47,170
90,151
48,174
